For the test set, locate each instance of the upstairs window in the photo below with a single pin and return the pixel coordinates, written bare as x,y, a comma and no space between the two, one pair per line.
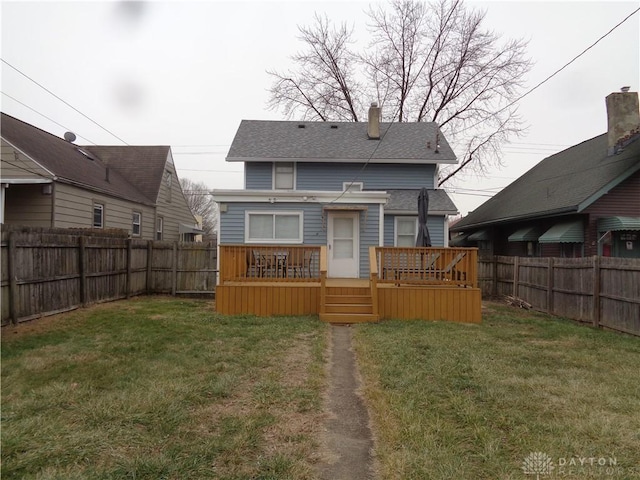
98,215
283,176
352,186
159,226
168,178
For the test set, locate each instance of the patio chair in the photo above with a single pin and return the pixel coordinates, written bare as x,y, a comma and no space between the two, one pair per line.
450,269
256,264
300,264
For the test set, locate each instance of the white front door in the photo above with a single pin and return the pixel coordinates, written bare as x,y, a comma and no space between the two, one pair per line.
343,244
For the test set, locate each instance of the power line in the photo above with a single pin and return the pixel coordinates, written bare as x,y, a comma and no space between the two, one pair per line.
63,101
43,115
554,73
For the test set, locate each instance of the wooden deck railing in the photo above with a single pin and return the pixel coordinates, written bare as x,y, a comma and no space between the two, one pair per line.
427,266
272,263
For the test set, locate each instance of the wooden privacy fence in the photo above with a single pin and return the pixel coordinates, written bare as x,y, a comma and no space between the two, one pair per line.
604,291
51,271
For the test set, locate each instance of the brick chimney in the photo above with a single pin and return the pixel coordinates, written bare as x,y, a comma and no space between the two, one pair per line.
373,127
623,117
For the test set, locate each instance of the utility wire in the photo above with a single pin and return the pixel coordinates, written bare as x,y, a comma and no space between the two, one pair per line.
554,73
43,115
63,101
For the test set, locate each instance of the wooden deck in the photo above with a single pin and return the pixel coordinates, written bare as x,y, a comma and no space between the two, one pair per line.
414,294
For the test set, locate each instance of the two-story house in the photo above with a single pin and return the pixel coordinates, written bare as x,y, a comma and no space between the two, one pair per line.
346,185
48,181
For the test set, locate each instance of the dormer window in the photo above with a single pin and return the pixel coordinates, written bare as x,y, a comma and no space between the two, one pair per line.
284,175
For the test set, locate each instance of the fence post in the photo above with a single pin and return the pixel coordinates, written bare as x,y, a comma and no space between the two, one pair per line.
149,265
174,272
550,286
516,274
13,283
129,259
494,276
82,257
596,291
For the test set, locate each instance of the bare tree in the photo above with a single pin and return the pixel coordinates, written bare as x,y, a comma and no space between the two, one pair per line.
201,203
424,62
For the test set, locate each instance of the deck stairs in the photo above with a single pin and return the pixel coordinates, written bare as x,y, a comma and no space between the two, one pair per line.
348,304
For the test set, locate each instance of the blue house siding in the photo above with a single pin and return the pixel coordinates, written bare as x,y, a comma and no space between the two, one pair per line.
434,223
258,175
322,176
232,225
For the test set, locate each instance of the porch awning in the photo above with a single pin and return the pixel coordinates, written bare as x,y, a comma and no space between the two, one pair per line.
185,228
479,235
527,234
614,224
567,232
459,240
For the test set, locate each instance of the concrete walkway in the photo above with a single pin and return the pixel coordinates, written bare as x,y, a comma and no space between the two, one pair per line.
348,438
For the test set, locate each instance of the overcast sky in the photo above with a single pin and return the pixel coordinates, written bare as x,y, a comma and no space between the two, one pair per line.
185,74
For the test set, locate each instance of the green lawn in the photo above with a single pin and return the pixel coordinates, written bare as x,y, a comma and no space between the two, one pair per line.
454,401
158,388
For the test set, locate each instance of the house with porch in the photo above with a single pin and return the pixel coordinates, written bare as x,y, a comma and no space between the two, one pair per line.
330,207
580,202
48,181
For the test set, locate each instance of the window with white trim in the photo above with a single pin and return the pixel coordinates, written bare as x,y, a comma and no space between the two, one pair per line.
284,175
136,224
98,215
273,227
352,186
159,227
406,231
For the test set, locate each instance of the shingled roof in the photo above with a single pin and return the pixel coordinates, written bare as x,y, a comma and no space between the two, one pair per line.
142,166
130,177
406,201
567,182
263,140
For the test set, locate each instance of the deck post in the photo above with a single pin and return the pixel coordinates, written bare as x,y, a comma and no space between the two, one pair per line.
373,275
323,279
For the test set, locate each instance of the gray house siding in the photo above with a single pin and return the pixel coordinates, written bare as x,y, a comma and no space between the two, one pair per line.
17,165
74,209
331,176
434,223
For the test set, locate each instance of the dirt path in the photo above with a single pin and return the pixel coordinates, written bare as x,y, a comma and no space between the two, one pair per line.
347,439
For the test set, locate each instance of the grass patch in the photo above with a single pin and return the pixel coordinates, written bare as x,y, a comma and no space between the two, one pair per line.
157,388
472,401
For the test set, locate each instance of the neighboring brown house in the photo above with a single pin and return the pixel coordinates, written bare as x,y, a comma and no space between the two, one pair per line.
50,182
582,201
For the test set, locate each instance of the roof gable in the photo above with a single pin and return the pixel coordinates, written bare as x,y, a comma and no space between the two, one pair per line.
258,140
562,183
